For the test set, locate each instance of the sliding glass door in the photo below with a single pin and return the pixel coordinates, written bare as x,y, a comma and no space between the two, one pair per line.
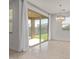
38,31
44,30
34,32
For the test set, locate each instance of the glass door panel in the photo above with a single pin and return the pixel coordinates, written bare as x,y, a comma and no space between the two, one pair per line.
34,32
44,30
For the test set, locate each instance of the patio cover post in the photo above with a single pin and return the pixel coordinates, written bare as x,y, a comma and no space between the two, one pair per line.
32,28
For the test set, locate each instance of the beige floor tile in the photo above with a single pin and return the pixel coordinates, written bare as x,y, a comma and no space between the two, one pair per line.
47,50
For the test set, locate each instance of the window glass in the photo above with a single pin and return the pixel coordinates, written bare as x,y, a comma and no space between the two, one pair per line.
66,23
10,20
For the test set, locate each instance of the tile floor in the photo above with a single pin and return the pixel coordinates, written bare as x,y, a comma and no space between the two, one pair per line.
47,50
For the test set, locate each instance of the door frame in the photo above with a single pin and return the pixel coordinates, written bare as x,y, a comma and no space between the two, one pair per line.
40,33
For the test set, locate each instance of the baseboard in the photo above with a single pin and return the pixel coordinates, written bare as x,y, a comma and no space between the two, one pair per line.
59,40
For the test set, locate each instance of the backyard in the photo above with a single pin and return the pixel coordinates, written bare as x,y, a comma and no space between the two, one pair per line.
44,37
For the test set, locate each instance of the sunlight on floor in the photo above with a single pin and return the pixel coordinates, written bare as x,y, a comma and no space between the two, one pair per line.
33,42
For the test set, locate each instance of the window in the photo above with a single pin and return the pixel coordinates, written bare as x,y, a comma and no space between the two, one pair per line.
10,20
66,23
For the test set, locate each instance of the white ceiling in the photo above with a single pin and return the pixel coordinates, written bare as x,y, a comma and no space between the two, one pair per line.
52,6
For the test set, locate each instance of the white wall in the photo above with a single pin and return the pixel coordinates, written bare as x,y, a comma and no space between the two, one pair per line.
14,36
57,32
18,39
50,27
